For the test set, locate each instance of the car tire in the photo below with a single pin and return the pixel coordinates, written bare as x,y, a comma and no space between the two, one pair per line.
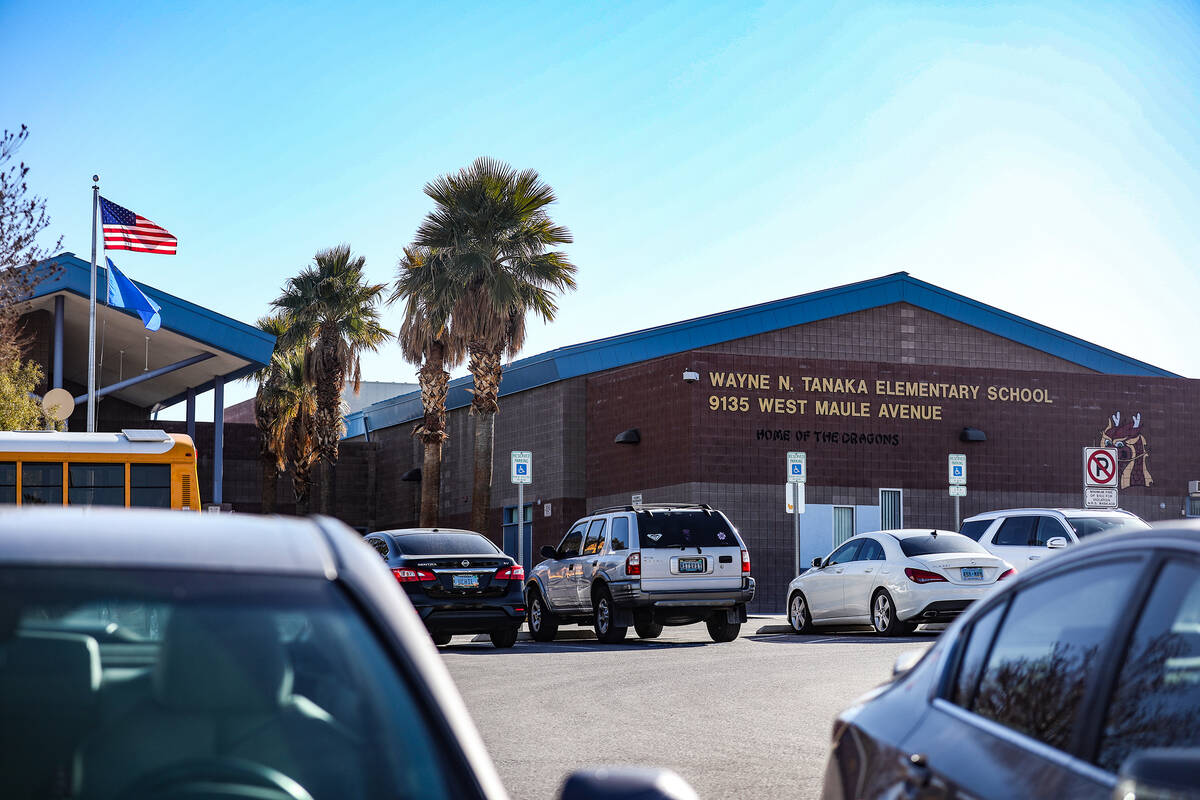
602,619
883,616
440,638
505,637
645,626
798,616
543,624
721,629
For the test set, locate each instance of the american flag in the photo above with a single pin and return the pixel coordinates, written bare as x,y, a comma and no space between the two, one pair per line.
125,230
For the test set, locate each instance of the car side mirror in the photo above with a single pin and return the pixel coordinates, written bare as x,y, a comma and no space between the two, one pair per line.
1159,772
549,551
624,783
1056,542
817,562
906,661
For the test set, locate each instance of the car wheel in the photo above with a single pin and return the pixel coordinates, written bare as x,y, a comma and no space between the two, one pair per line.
602,619
883,616
505,637
721,629
798,616
646,627
543,625
440,638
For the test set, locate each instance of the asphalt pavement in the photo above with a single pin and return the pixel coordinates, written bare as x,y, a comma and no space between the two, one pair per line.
744,719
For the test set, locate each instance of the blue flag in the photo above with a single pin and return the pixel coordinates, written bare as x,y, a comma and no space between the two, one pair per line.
122,293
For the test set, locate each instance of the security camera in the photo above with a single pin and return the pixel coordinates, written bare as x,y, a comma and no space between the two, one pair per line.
690,377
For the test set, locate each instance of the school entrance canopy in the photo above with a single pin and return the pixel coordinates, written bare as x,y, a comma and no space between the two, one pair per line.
195,349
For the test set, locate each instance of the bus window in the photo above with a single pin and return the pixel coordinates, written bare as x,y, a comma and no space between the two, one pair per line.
8,482
42,483
150,485
96,484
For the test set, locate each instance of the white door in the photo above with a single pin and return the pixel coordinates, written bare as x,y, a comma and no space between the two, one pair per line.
859,579
589,562
824,587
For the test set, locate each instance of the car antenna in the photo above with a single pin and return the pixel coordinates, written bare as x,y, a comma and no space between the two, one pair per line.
933,534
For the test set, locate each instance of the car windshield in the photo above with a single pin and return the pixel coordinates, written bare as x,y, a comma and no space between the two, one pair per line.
444,544
930,544
1086,526
137,683
658,529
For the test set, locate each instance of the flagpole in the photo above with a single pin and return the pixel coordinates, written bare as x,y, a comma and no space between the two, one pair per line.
91,401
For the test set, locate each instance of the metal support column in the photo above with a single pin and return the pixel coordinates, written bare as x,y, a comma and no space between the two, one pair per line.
218,436
59,306
191,413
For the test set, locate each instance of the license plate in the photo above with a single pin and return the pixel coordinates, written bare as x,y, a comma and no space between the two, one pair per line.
691,565
466,581
972,573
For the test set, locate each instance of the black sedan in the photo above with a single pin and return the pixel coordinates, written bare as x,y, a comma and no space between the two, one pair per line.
458,581
1080,678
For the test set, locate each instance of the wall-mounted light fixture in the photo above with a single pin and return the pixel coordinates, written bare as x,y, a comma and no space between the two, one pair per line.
690,376
972,435
412,476
630,436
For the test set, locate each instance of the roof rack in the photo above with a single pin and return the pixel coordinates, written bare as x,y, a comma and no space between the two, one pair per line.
650,507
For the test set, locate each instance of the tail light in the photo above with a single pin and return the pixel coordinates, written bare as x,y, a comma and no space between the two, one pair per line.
406,575
513,573
1008,573
746,561
633,563
923,576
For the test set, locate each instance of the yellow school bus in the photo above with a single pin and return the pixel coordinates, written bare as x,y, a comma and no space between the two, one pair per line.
133,468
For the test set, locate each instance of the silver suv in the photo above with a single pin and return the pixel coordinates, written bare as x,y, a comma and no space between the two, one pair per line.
1023,536
645,566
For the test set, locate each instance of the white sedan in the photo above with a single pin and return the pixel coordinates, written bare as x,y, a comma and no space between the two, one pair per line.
894,581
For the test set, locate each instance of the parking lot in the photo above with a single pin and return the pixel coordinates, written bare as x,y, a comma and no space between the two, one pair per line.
750,718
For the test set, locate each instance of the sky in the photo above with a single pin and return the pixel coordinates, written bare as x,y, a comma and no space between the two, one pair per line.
1041,157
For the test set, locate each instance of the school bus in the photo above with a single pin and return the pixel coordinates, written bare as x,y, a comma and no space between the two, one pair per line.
133,468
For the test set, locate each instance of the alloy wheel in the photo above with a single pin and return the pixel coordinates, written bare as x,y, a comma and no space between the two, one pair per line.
883,613
602,616
797,613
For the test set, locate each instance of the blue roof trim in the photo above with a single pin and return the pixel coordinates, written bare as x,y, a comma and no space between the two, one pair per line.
178,315
676,337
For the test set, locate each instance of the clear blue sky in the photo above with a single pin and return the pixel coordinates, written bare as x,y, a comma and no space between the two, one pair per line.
1041,157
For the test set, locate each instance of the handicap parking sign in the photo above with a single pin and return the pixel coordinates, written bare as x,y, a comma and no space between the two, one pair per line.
795,469
957,471
522,469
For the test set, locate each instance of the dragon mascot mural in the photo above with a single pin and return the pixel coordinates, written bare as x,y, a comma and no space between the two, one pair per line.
1132,454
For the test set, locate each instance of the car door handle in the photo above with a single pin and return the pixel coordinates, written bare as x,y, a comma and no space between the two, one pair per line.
870,569
1034,558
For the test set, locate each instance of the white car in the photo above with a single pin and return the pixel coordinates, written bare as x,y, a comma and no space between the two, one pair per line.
894,581
1024,536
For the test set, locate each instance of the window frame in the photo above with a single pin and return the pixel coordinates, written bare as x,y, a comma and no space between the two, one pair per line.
900,505
833,523
600,526
1030,535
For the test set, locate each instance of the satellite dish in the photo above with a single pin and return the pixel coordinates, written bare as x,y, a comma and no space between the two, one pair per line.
58,404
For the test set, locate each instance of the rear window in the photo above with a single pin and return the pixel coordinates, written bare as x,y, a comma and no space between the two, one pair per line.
444,544
975,528
1086,526
658,529
930,545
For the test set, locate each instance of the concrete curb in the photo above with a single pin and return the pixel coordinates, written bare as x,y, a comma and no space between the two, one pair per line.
776,623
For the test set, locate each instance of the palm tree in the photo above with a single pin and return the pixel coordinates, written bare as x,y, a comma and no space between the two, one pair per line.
428,339
331,305
491,222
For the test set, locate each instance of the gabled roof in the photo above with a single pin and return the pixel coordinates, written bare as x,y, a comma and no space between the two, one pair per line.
692,334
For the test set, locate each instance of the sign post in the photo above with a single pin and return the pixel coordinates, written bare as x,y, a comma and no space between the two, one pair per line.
797,473
958,484
1100,477
522,473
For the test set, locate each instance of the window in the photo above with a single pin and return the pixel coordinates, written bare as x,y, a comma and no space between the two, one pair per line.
1037,671
569,547
595,538
975,528
1047,529
444,544
891,509
97,484
1016,532
686,528
42,484
1157,698
928,544
510,514
380,546
1193,506
979,641
620,533
870,550
843,524
8,482
150,485
844,554
1086,526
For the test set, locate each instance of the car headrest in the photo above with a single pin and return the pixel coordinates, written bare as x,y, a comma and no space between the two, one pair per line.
222,660
49,672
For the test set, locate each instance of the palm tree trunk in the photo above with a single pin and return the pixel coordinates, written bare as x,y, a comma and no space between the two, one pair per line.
270,482
434,381
327,488
431,483
485,367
